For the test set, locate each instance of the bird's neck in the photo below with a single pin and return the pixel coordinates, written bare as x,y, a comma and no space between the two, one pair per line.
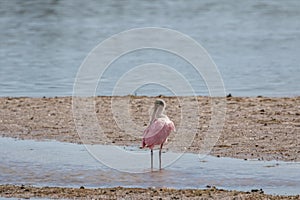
157,113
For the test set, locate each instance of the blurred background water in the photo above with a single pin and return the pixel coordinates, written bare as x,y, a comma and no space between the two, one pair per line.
255,44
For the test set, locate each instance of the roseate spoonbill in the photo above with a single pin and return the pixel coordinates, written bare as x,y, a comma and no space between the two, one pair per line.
158,130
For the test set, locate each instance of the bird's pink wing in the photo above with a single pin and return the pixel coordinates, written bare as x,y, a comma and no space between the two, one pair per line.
157,132
154,128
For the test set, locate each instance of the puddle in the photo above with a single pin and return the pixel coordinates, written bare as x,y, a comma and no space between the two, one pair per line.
51,163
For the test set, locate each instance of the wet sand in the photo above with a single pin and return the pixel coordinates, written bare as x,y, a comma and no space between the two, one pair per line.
131,193
255,128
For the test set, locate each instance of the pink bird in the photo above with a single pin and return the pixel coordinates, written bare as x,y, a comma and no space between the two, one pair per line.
158,130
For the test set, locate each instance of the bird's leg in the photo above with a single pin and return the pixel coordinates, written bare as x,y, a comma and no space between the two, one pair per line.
151,159
160,156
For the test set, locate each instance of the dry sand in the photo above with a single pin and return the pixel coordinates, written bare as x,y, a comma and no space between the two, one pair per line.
255,128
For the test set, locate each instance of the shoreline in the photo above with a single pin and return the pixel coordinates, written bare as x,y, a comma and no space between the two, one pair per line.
260,128
27,191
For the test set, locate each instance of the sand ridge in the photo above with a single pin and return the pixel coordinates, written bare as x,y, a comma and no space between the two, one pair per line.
132,193
255,127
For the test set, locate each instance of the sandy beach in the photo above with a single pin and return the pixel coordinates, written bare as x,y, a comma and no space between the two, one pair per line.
260,128
255,128
131,193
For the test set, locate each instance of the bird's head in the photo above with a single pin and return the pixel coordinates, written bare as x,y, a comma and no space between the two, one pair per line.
160,102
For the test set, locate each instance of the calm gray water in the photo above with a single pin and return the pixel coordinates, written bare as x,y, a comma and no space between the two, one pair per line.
255,44
54,163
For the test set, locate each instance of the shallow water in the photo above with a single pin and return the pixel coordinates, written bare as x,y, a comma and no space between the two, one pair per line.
255,44
51,163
